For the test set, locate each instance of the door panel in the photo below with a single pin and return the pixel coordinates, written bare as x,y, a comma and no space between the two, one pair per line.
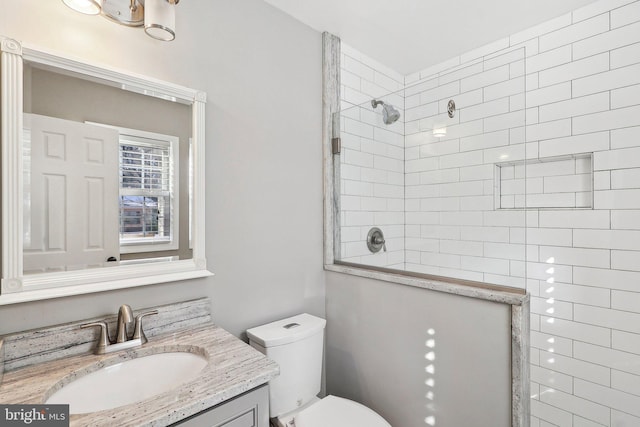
71,213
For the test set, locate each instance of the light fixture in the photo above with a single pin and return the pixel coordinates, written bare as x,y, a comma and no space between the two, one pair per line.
88,7
157,16
160,20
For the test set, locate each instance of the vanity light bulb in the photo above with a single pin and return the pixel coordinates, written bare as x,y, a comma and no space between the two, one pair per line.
160,19
88,7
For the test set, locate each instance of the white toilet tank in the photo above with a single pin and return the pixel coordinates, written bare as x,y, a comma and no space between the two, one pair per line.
296,345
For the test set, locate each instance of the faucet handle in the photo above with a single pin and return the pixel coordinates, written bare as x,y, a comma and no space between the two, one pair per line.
138,332
103,341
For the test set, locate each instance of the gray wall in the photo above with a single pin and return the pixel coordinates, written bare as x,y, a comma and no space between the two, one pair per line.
377,347
262,72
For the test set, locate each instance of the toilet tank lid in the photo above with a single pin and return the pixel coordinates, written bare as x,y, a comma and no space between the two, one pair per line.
286,330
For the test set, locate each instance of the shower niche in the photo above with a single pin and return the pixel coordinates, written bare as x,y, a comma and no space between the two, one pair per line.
562,182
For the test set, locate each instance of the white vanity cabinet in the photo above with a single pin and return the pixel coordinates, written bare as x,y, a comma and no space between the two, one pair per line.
250,409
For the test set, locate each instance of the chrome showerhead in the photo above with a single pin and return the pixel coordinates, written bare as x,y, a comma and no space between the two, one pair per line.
389,113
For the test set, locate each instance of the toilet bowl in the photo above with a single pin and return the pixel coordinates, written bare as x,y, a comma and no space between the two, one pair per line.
296,345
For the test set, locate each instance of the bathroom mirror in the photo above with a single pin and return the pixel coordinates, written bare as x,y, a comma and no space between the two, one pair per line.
102,177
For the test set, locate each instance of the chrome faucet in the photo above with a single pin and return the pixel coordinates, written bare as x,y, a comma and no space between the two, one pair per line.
125,316
122,341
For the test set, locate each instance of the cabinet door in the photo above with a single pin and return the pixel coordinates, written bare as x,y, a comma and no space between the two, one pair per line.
247,410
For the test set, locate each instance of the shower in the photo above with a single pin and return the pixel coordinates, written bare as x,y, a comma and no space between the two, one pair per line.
389,113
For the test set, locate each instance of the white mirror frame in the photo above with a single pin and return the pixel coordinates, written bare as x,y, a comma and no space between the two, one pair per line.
17,287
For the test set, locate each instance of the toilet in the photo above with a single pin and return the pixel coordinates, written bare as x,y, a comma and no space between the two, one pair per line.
296,345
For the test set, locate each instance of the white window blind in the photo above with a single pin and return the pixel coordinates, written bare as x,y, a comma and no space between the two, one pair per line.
146,191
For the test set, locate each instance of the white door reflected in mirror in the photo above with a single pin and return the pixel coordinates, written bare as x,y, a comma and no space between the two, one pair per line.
70,195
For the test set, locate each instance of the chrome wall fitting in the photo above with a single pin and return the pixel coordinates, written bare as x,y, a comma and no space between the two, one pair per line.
375,240
451,108
125,12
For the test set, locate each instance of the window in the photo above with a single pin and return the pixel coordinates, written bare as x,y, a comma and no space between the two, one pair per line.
148,207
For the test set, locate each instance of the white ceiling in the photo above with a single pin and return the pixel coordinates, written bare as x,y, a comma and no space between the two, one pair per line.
410,35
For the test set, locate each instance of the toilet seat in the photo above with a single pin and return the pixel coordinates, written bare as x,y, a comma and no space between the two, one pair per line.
338,412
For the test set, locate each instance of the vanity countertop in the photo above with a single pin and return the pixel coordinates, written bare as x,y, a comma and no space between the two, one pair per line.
234,368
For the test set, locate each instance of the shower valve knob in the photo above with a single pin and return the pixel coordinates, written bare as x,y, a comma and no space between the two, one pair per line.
375,240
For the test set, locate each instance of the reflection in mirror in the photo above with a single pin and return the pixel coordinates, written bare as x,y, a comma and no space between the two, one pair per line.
102,177
106,174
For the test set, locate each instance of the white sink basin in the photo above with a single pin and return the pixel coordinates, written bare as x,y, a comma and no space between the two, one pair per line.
128,382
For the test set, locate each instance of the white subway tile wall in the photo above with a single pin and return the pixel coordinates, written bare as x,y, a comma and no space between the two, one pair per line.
450,168
586,309
581,72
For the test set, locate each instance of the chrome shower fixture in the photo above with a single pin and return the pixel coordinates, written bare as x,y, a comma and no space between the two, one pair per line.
451,108
389,113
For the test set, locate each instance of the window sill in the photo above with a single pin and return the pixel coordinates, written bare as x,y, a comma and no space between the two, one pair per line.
140,246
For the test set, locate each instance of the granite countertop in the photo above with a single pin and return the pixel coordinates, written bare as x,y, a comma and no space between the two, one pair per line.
234,368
